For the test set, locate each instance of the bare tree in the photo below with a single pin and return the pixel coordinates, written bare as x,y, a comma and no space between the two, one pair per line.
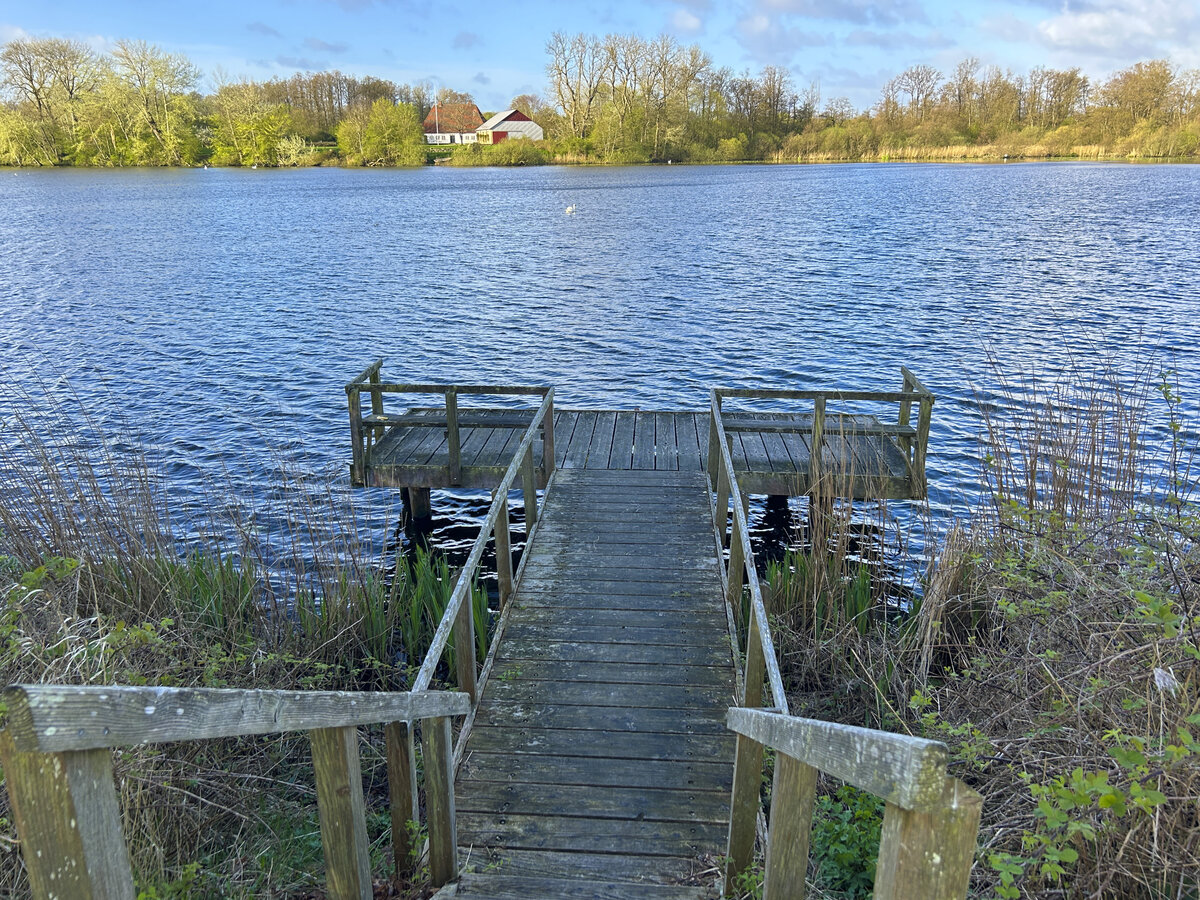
920,83
576,70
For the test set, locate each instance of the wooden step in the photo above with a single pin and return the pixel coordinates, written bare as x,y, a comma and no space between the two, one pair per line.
490,886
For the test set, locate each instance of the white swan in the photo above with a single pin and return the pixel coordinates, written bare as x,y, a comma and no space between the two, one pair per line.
571,210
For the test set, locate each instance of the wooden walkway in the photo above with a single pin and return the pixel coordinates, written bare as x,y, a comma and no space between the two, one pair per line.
414,451
599,761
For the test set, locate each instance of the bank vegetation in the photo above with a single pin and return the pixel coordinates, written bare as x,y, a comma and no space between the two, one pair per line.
612,99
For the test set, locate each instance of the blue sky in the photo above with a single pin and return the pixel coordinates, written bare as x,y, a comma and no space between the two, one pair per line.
496,50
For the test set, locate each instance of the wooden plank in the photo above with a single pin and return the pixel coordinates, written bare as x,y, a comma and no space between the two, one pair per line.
576,443
587,867
632,697
591,835
602,440
634,673
906,771
643,440
699,620
619,595
67,816
687,442
756,459
651,804
57,717
604,718
598,772
496,886
621,454
635,745
634,653
666,443
680,635
438,755
477,453
778,457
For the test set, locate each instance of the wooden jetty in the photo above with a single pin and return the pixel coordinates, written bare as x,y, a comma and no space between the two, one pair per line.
611,744
422,447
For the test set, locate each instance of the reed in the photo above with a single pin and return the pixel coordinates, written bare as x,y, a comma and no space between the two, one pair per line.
102,581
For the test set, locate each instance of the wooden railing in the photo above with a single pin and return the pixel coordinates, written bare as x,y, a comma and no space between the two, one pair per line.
57,758
913,440
930,821
367,430
57,749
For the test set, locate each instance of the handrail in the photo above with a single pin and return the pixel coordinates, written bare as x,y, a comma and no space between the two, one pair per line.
57,760
365,434
742,565
913,441
56,757
522,461
930,820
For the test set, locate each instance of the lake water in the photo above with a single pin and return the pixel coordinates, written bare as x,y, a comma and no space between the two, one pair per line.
222,311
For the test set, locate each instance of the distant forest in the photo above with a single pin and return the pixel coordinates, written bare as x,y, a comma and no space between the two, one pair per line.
612,99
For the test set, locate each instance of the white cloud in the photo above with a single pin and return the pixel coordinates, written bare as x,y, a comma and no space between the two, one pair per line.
1124,28
685,20
9,33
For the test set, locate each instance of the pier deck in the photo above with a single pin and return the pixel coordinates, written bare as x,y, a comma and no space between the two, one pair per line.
771,450
599,749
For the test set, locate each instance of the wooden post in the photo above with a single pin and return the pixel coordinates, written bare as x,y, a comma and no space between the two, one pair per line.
464,645
342,813
929,855
924,415
747,767
548,463
721,513
820,497
905,417
529,487
438,752
743,808
69,822
419,507
452,436
736,575
504,569
793,795
377,403
358,465
402,792
714,450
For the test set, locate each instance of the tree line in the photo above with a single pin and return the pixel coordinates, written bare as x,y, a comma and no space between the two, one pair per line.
613,98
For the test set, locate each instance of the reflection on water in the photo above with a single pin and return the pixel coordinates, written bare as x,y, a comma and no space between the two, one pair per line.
221,312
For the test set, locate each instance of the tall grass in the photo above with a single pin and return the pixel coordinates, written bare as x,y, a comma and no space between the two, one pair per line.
1056,647
102,581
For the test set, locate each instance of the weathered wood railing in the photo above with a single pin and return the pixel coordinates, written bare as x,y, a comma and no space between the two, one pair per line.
913,440
367,430
57,759
58,764
930,820
458,622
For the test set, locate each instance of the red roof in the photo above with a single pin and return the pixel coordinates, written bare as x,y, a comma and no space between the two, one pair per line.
453,118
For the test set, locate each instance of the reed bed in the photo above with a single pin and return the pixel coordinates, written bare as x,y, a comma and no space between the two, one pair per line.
1055,646
102,582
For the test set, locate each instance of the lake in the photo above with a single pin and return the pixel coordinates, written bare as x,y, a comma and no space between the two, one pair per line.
222,311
